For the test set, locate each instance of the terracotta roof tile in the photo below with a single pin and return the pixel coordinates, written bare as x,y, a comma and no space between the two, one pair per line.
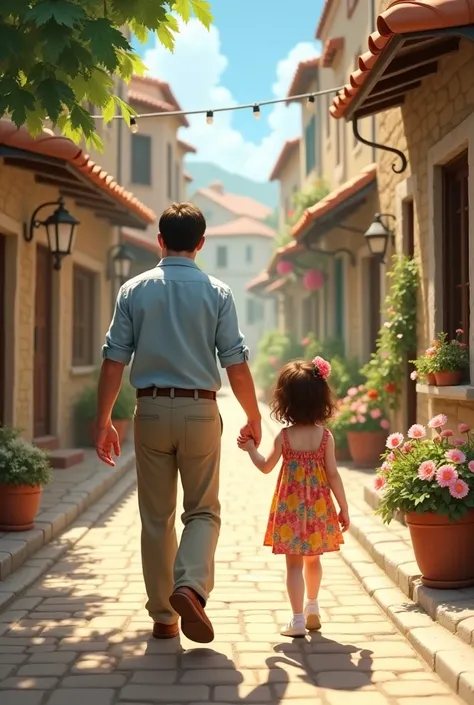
165,90
402,17
331,48
186,147
238,205
58,147
348,189
283,157
277,285
304,73
293,248
142,241
241,226
147,101
260,280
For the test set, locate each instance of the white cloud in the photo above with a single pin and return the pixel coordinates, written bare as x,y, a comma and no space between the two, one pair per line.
194,71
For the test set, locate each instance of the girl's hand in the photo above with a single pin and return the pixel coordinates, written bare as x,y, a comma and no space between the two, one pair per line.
344,520
246,444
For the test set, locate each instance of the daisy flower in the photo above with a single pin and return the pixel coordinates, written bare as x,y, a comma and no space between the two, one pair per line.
379,482
445,475
459,489
447,433
470,465
458,442
427,470
406,447
464,428
386,466
416,431
391,457
414,375
385,424
438,421
394,440
431,351
455,456
352,392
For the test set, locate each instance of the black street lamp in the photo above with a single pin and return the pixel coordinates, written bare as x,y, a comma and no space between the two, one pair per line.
60,230
120,263
379,235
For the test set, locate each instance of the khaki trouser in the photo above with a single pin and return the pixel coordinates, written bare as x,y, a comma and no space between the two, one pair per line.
177,435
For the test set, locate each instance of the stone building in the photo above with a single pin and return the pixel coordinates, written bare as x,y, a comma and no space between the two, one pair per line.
417,79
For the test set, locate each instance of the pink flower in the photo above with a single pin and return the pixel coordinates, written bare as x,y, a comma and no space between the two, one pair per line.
445,475
361,387
363,408
431,351
464,428
352,392
447,433
394,440
379,482
459,489
305,342
414,375
361,419
386,467
407,447
438,421
455,456
470,465
427,470
273,361
391,457
459,331
322,366
354,406
376,413
353,419
459,442
385,424
416,431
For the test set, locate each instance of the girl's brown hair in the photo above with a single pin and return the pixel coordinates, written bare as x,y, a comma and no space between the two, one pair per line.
301,397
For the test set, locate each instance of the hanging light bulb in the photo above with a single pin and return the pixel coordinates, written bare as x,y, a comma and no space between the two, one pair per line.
310,100
209,117
256,112
133,126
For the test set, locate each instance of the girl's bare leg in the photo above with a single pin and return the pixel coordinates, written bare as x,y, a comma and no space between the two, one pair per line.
295,587
313,573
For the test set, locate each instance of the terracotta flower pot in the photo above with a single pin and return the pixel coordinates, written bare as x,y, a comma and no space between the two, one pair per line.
342,454
366,447
431,379
18,507
448,379
451,565
122,426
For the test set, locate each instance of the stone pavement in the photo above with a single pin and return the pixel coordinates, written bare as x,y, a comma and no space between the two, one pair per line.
80,635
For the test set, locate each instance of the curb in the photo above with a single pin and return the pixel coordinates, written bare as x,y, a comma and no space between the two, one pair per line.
24,557
444,653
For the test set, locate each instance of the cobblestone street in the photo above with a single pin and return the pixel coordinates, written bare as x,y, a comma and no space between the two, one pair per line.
81,636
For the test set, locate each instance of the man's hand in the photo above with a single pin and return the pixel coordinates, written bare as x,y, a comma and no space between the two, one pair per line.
246,444
252,431
107,440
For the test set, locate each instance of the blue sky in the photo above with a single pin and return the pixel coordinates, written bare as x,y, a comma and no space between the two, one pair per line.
250,54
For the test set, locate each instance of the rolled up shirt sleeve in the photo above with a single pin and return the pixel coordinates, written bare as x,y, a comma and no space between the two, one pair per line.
230,343
119,341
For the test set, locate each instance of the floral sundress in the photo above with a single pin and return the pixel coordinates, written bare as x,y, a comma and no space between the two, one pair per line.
303,519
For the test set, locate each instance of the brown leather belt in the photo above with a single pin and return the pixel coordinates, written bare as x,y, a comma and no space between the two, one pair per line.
178,393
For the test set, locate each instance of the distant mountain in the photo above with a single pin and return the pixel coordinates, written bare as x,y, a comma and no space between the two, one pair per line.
204,174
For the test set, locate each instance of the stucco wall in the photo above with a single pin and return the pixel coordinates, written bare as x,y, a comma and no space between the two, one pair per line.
289,183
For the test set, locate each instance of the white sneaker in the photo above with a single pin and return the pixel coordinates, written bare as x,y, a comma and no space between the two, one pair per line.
312,617
295,627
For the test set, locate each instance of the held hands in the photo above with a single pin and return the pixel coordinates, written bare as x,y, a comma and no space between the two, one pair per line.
246,444
252,431
344,519
107,440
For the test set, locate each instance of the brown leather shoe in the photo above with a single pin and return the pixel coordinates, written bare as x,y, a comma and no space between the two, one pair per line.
195,623
165,631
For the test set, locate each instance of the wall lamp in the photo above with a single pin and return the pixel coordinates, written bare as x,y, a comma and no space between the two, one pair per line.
120,260
60,230
379,235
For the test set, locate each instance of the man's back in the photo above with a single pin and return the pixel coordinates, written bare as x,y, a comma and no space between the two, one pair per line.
173,318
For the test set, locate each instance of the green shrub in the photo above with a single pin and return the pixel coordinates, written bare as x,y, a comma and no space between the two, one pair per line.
275,350
20,462
86,404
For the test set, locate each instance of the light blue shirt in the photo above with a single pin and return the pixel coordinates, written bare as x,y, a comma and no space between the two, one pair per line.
173,320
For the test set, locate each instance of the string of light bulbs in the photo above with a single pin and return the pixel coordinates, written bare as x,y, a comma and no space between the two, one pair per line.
255,107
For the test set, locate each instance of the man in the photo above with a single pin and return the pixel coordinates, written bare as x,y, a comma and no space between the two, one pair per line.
172,320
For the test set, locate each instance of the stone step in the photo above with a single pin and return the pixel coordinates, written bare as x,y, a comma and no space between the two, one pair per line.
46,442
66,458
391,548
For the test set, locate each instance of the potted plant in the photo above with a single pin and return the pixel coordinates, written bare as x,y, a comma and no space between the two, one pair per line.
450,359
24,470
431,481
86,409
425,366
338,426
367,425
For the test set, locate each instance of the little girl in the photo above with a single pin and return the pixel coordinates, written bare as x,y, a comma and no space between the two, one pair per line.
303,522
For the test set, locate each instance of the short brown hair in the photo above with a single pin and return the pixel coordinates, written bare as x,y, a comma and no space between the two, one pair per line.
182,227
300,397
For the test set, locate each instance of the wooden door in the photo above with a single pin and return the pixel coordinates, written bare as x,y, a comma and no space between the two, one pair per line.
410,401
2,329
42,343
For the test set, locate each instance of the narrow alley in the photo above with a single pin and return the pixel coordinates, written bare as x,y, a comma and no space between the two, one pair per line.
80,635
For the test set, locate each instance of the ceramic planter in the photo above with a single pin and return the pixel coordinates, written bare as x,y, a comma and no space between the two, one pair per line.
451,565
18,507
448,379
366,447
431,379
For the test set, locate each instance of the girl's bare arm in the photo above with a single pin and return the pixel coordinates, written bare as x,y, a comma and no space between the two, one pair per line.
265,465
335,482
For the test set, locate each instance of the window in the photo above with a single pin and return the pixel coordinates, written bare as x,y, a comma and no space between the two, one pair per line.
221,254
84,305
310,144
248,254
141,160
169,169
177,182
456,247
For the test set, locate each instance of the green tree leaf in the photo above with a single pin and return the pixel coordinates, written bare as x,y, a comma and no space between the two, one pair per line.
61,11
183,8
109,111
202,10
104,39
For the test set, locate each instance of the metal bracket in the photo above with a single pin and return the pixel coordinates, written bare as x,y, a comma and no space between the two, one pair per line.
333,253
393,150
